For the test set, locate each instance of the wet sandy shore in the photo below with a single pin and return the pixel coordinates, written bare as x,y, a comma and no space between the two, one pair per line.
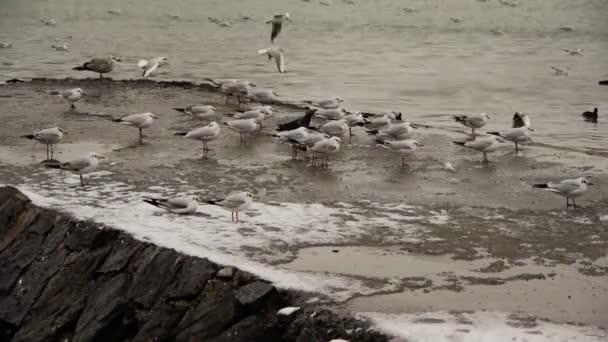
489,242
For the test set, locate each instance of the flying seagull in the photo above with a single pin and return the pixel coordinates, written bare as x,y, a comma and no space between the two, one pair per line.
277,54
150,66
277,24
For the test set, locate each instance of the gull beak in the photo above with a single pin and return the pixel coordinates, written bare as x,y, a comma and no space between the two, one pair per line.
101,157
589,183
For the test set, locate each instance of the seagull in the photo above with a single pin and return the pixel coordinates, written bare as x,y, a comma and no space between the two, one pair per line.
381,122
257,114
567,28
235,202
5,45
263,96
278,54
484,145
236,88
277,23
330,114
353,119
243,126
396,131
150,66
99,65
559,71
570,188
296,137
590,116
327,104
403,147
325,2
205,113
114,11
81,166
521,120
472,121
325,147
575,52
141,121
49,137
176,205
70,95
335,128
267,109
63,47
300,121
456,20
204,134
516,135
49,22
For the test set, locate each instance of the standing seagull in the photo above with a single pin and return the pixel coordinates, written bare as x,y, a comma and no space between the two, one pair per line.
235,203
176,205
302,120
327,104
516,135
403,147
141,121
570,188
201,112
277,54
325,147
204,134
277,23
99,65
81,166
243,126
472,121
484,145
70,95
150,66
49,137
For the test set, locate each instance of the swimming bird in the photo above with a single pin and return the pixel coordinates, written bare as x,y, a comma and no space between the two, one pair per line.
333,103
101,66
405,147
277,24
335,128
516,135
590,116
81,166
520,120
204,134
49,137
574,52
243,126
49,22
278,54
456,20
472,121
205,113
569,188
235,202
176,205
484,145
114,11
301,120
324,148
5,45
330,114
140,121
150,66
559,71
63,47
70,95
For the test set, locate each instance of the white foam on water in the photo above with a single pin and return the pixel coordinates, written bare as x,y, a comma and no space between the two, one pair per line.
479,326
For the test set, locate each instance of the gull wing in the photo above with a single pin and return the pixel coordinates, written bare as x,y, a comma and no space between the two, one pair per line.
142,63
566,186
280,59
76,164
233,201
276,29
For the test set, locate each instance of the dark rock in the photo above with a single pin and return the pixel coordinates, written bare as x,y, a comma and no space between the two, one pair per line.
252,328
254,292
122,251
192,278
156,268
241,278
12,205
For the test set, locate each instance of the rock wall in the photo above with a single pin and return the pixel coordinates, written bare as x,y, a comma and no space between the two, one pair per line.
66,280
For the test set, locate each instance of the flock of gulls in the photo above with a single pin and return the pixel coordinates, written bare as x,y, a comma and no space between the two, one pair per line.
322,141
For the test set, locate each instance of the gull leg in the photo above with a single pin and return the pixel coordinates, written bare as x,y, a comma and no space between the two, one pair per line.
232,216
47,152
141,139
81,180
567,202
516,147
573,203
52,151
402,161
100,75
473,131
237,216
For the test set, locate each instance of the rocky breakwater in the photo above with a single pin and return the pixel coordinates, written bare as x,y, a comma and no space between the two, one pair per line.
66,280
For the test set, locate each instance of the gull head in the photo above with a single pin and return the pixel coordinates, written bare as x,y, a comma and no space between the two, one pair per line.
339,99
415,142
586,180
336,139
79,91
61,130
213,125
195,198
151,115
96,156
163,61
485,116
249,194
287,16
115,59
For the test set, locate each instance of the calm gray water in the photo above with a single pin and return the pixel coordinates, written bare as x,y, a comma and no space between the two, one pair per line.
372,53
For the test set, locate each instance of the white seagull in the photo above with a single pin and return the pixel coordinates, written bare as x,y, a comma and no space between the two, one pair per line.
204,134
516,135
396,131
569,188
150,66
574,52
235,202
484,145
278,54
243,126
324,148
277,24
5,45
472,121
263,96
205,113
403,147
328,103
353,119
99,65
70,95
330,114
176,205
335,128
63,47
236,88
141,121
81,166
49,137
296,137
381,122
520,120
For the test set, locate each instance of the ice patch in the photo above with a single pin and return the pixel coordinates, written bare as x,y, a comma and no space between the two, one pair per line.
480,326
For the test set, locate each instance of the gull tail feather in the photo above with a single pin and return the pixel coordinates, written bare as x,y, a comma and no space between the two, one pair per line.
541,186
461,143
28,136
181,134
80,68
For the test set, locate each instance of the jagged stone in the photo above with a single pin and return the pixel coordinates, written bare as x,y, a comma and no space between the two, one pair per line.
254,292
123,250
192,278
156,268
